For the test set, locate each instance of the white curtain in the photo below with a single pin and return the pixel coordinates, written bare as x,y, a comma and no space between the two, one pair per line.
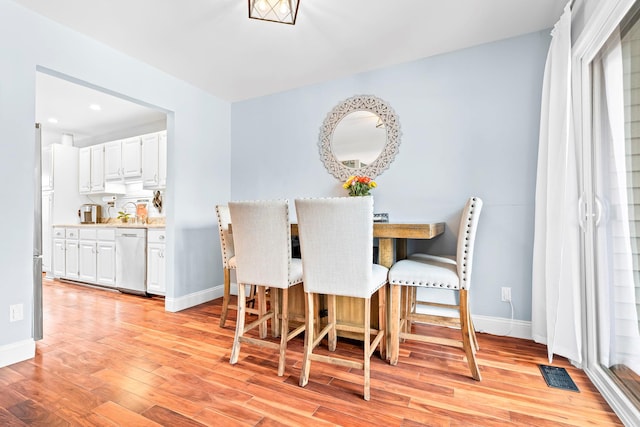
555,316
618,337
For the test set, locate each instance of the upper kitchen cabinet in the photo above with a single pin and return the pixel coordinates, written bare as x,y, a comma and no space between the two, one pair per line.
154,160
123,160
91,170
47,168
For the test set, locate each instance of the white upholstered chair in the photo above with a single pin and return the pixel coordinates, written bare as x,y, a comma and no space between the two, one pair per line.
449,273
228,263
262,239
336,240
228,259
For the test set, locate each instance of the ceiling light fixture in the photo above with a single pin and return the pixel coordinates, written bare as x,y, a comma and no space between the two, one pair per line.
53,120
284,11
95,107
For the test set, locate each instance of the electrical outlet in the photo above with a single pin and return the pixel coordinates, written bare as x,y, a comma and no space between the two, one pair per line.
506,294
16,312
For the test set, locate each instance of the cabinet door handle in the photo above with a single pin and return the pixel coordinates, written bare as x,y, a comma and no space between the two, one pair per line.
161,237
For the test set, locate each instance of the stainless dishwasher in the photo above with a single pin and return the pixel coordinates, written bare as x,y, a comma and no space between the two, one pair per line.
131,260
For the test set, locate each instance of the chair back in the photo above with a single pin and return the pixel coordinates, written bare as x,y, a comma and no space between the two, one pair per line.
226,240
262,239
336,240
466,240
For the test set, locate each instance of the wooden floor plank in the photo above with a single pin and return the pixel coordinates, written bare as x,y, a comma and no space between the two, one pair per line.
126,361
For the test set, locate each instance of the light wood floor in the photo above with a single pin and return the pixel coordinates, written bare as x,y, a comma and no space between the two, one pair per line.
112,359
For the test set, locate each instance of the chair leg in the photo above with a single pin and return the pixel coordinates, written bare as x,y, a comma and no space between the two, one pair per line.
262,310
308,338
332,337
394,327
235,350
382,320
252,297
467,340
473,334
367,348
316,316
284,332
275,307
225,297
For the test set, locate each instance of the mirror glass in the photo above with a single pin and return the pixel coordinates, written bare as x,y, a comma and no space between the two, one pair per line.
360,136
358,139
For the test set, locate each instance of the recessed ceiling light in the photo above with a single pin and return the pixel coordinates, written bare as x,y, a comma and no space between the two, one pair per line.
53,120
95,107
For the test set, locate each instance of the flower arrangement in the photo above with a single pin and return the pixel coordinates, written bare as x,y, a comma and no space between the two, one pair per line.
359,185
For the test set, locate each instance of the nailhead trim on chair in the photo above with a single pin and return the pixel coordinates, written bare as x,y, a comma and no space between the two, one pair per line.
464,280
225,255
426,284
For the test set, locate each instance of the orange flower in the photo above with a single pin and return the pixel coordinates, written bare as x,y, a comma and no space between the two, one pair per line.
359,185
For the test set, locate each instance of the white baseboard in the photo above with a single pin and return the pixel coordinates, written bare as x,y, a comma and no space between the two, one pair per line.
191,300
502,326
17,352
484,324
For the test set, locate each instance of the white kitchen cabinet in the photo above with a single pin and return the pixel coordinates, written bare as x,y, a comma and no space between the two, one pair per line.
71,255
97,168
162,159
156,276
123,160
91,169
61,201
154,160
106,257
46,162
113,161
47,233
58,253
84,170
132,158
87,255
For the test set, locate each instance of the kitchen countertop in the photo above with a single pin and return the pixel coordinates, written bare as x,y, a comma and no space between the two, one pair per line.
112,225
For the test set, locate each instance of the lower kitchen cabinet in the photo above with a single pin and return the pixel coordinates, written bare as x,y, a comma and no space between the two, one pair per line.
156,283
106,257
88,254
58,253
71,254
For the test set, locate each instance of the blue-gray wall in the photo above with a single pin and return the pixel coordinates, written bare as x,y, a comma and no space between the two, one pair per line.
198,159
470,124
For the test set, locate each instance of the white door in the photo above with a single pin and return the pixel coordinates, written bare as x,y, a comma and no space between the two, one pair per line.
47,168
72,268
59,264
97,168
87,261
113,161
162,160
150,150
155,269
132,158
611,165
47,232
106,263
84,170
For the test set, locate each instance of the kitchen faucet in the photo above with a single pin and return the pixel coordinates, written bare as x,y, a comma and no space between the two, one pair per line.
124,207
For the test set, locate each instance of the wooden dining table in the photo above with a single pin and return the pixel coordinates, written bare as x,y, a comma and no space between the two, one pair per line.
392,245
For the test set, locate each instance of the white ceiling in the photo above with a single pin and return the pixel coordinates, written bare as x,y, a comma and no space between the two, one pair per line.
213,45
69,103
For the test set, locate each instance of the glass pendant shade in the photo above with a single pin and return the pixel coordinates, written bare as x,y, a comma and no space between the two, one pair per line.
284,11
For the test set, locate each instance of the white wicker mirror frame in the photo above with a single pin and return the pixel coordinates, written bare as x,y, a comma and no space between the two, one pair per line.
359,103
